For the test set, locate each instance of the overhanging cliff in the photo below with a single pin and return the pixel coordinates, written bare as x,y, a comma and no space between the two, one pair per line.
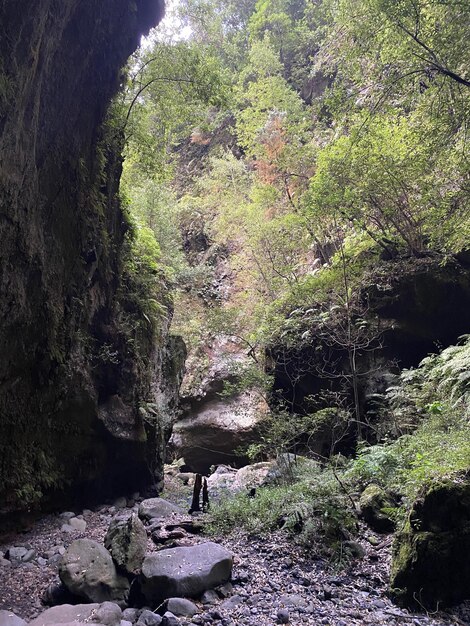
77,360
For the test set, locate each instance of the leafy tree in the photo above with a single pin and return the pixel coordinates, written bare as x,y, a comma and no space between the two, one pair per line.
169,90
285,148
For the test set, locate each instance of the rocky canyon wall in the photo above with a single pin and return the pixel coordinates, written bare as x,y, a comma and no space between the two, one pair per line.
79,367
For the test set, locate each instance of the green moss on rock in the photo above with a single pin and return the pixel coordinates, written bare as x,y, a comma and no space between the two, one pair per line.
376,505
430,564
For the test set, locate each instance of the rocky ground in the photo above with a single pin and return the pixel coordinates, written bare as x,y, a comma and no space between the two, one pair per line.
274,581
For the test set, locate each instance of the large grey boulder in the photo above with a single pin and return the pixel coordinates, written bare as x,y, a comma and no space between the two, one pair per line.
126,541
185,572
215,429
108,614
88,571
157,508
7,618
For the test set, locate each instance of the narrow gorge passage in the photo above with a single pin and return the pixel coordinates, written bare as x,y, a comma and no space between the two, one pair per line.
234,304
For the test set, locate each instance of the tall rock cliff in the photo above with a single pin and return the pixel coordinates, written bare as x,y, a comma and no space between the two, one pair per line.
79,361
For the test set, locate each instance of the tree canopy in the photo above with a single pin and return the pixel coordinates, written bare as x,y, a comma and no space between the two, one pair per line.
282,138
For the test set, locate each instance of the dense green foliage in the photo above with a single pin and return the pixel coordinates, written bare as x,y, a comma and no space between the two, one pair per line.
431,409
285,131
317,500
279,154
311,508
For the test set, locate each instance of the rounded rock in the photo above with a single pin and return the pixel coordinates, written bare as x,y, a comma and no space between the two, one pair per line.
157,508
88,571
149,618
185,571
181,607
282,616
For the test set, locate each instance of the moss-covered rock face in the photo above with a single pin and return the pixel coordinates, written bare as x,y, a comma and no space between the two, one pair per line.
430,561
78,357
375,506
411,305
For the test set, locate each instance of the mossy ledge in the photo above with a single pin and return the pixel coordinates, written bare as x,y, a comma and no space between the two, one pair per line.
79,359
430,566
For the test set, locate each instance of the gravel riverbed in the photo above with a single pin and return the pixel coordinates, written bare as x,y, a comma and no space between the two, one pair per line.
274,581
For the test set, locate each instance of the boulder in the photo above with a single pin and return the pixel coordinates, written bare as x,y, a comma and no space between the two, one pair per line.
7,618
108,614
210,597
222,479
16,553
149,618
130,615
253,475
126,541
181,606
185,571
431,565
66,528
88,571
373,504
214,429
187,478
66,515
77,524
157,508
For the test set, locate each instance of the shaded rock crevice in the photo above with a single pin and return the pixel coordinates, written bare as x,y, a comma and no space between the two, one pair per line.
421,305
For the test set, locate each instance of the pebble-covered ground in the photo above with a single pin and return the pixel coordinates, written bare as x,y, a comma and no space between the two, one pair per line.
274,581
